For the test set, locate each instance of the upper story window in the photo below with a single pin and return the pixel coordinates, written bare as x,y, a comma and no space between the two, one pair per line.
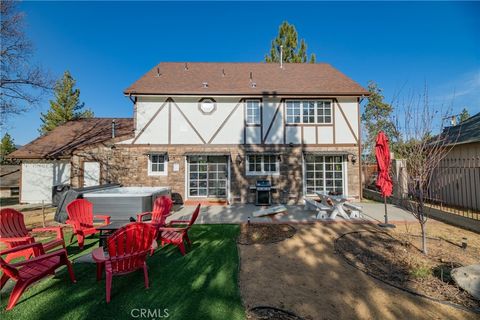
253,112
263,164
157,164
308,111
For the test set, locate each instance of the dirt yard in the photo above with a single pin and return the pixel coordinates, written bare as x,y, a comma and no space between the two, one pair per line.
304,275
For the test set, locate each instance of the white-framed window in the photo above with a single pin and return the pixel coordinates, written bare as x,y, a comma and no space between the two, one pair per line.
309,111
324,111
252,110
157,164
324,174
293,111
267,164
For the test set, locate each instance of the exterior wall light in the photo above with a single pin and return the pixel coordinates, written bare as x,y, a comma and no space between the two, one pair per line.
354,159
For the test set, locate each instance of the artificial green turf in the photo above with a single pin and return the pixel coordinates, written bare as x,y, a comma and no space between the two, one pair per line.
200,285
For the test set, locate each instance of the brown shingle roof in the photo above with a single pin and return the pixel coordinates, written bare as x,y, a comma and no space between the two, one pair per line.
9,175
234,78
64,139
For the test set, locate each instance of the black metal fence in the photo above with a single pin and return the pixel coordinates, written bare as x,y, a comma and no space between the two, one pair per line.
456,184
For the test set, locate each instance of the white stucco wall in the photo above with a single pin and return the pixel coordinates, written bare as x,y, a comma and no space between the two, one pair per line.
39,178
232,130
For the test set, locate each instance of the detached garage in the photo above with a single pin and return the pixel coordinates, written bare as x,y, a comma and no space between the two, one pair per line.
38,179
47,161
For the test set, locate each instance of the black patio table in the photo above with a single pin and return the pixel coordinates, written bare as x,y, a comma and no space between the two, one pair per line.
109,229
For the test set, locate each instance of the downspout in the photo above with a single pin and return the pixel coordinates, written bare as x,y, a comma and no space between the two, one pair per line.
359,100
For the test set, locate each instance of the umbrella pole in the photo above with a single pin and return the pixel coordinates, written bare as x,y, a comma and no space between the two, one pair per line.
386,215
386,224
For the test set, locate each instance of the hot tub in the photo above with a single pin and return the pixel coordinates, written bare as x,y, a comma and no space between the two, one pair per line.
125,202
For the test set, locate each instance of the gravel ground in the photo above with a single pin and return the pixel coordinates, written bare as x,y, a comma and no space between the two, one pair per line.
304,275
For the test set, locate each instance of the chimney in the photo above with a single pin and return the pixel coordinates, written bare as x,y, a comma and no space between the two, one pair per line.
186,66
113,128
223,72
158,71
281,57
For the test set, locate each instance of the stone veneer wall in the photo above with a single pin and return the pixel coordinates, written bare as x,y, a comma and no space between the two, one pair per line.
127,164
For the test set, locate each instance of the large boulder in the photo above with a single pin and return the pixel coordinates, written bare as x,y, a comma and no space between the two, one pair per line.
468,278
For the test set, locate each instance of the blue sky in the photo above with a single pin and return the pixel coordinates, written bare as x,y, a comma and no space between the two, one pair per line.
108,45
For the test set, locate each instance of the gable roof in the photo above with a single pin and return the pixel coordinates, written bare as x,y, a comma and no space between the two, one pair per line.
466,132
9,175
234,79
64,139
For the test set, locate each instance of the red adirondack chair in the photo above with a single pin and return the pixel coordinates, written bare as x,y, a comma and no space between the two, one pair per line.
14,233
161,210
80,217
127,252
29,271
176,235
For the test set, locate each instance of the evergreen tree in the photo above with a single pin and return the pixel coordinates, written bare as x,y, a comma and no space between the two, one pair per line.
292,52
65,107
464,115
6,147
377,117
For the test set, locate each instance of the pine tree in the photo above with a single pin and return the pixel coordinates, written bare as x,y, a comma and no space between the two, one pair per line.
464,115
288,38
65,107
377,117
7,146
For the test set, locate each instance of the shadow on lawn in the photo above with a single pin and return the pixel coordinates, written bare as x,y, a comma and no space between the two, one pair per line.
200,285
305,275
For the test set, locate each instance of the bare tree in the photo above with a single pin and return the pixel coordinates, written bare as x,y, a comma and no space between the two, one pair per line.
425,142
21,82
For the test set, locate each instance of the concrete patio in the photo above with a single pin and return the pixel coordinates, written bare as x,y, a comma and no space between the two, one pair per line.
240,213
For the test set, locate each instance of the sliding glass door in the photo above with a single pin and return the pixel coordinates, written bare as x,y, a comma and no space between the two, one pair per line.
324,174
207,176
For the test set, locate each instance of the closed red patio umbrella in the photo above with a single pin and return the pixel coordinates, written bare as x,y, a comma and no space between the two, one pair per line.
384,181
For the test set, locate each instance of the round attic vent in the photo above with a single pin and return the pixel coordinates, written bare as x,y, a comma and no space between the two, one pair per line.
207,105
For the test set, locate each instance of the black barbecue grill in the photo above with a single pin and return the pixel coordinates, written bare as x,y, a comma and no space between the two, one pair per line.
263,194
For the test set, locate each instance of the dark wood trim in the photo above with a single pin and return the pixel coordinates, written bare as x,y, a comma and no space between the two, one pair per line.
302,140
261,120
225,121
169,122
316,135
151,120
273,145
249,94
346,120
284,110
244,123
263,139
188,121
333,121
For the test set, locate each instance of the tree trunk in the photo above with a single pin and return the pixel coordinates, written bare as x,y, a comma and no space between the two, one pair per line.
422,220
424,239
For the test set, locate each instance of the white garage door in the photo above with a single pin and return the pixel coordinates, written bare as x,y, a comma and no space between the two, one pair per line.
91,175
39,178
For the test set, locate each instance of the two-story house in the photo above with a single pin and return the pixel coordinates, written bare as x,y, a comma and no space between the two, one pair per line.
210,130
